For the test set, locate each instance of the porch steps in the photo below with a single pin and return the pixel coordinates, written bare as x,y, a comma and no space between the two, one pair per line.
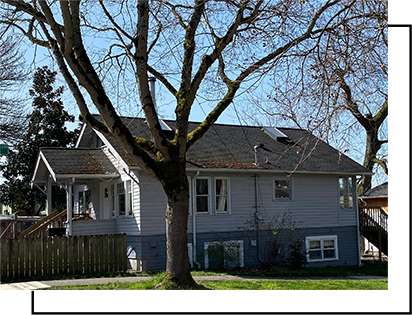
38,229
373,225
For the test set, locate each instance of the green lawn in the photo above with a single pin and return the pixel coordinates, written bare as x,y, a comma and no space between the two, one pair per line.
376,269
298,285
304,284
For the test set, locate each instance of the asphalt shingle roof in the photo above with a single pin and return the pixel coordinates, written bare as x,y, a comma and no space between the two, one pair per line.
78,161
232,147
380,191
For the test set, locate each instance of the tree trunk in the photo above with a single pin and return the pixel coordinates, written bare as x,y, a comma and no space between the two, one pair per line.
372,147
177,213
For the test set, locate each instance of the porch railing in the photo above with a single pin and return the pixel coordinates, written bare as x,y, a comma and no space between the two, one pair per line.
373,219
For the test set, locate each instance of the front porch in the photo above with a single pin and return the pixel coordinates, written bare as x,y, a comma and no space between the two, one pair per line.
79,172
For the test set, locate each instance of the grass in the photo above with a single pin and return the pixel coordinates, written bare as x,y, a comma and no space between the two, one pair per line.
327,284
298,285
369,269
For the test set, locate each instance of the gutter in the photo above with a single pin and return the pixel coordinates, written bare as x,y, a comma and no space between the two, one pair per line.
266,171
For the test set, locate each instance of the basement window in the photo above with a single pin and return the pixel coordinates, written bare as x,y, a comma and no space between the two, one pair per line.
224,255
320,248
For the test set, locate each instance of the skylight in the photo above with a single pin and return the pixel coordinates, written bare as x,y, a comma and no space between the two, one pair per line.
274,133
164,126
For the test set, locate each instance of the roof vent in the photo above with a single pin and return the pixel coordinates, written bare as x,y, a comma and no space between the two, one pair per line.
274,133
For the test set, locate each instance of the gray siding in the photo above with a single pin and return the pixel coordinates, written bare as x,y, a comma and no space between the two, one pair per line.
348,245
315,203
153,248
152,206
95,227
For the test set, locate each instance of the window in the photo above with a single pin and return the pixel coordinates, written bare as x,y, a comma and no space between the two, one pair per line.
84,202
322,248
282,189
345,192
121,199
202,194
129,197
224,255
112,201
211,195
222,195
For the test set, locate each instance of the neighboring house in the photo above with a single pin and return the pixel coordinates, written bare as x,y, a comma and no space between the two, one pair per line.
5,209
373,199
238,174
377,196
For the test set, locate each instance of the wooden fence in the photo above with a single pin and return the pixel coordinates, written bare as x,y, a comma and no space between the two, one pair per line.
33,257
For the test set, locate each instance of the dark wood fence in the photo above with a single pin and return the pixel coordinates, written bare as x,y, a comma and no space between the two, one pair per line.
32,257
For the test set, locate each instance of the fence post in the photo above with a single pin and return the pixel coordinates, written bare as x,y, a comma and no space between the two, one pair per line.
39,255
14,258
124,251
21,258
2,260
86,255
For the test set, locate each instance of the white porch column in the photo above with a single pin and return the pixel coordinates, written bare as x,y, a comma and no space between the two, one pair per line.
49,196
69,203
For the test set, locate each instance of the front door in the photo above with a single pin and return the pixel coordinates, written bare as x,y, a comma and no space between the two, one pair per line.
105,200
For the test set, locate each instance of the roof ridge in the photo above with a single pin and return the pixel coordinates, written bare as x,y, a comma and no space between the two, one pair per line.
215,124
66,148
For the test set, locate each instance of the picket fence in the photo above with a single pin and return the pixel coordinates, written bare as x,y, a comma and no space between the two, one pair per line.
32,257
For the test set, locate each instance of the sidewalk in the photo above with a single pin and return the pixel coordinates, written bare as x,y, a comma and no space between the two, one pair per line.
37,285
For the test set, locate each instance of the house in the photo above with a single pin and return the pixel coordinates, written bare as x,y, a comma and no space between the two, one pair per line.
376,196
239,176
373,205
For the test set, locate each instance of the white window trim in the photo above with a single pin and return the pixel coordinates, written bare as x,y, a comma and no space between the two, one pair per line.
225,243
209,183
349,191
228,201
290,189
322,238
128,202
129,198
119,184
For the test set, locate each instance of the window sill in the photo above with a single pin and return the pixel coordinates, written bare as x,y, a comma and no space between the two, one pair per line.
322,260
282,200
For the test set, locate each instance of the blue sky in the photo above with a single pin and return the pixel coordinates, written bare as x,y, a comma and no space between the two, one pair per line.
166,103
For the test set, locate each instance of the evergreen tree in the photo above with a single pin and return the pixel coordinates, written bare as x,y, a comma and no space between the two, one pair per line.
46,128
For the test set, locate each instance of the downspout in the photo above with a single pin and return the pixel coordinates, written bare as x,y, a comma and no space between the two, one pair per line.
194,219
355,204
257,217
